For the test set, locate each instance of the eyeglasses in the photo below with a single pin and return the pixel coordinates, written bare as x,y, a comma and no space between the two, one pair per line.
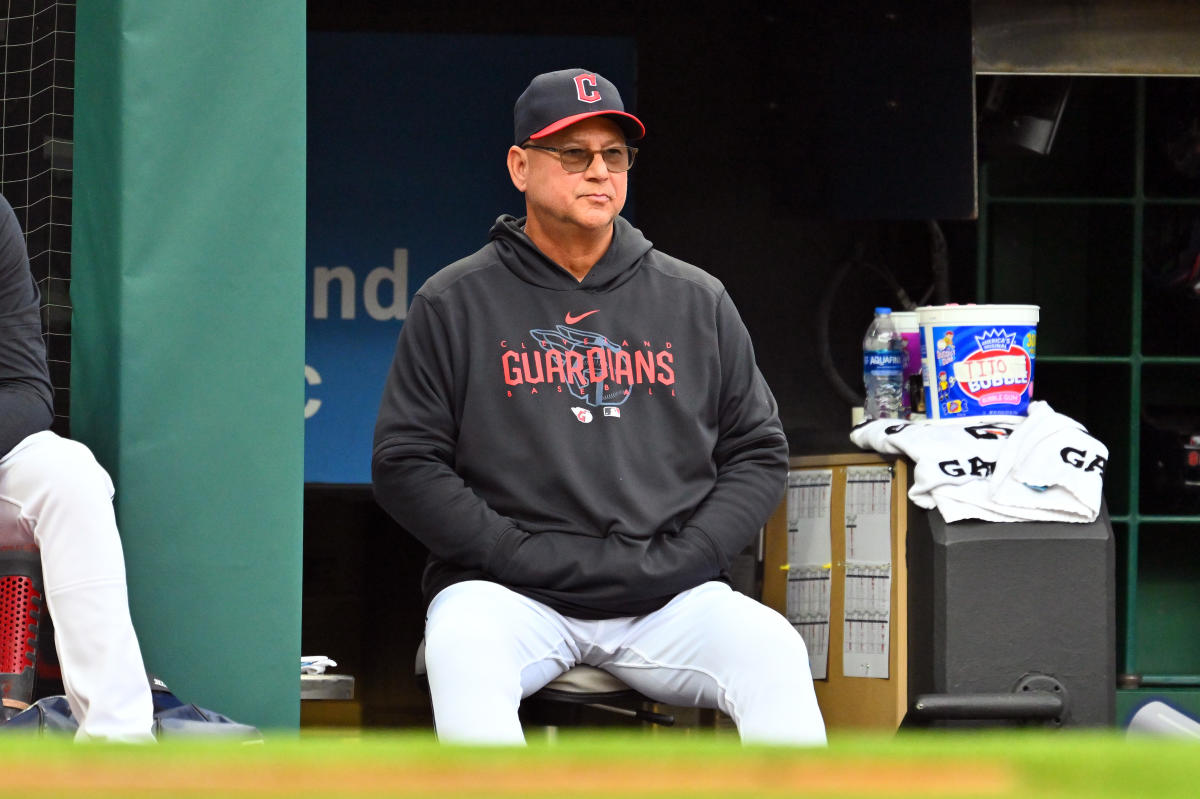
618,158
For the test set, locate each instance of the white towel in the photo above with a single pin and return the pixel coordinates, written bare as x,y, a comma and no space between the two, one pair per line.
1043,467
1051,463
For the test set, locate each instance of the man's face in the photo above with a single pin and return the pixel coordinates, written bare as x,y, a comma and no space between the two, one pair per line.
589,200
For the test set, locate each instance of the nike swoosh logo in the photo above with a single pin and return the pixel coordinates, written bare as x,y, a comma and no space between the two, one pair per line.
572,319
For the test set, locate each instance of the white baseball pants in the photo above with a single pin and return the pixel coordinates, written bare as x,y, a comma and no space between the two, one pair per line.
487,647
53,493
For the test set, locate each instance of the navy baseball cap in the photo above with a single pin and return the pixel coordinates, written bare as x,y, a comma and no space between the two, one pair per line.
554,100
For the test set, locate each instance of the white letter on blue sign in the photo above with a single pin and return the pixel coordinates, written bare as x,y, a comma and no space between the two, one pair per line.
322,277
398,277
313,378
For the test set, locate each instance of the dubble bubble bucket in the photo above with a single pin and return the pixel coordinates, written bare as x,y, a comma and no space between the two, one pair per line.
977,359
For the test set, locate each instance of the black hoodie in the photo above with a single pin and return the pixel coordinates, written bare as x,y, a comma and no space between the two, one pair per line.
597,445
26,399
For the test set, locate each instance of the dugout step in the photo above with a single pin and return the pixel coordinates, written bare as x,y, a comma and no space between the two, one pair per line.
327,700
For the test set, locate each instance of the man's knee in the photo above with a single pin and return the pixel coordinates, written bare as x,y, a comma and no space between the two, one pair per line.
738,618
58,465
460,639
466,624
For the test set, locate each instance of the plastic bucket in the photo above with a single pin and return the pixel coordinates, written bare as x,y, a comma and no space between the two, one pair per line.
909,329
978,360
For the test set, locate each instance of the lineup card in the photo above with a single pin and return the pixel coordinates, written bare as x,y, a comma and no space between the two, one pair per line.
809,564
868,586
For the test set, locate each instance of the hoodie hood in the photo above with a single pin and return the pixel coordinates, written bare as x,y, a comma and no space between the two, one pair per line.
521,256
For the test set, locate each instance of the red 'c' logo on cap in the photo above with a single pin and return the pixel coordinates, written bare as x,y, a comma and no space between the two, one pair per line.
585,87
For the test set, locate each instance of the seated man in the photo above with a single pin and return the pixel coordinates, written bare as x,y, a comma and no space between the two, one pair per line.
53,494
575,427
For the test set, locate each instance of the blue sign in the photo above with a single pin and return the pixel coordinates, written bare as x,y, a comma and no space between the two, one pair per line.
407,136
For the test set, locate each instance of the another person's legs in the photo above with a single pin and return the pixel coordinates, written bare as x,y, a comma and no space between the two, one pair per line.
486,648
54,489
714,647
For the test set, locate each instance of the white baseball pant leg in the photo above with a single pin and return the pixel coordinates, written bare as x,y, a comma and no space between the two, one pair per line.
55,494
488,647
714,647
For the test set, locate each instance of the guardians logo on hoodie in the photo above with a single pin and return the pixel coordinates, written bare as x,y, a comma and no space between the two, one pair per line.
589,366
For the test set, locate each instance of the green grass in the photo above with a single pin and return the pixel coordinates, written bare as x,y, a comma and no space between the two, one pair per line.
594,764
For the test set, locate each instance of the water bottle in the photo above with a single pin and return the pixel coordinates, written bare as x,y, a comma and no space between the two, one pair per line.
883,369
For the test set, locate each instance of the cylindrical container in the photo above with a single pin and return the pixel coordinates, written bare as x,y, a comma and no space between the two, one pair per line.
1159,718
883,368
978,359
909,330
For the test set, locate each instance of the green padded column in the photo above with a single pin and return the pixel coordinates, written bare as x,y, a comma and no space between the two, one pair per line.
188,287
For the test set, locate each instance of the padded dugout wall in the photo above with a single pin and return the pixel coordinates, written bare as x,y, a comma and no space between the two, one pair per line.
188,239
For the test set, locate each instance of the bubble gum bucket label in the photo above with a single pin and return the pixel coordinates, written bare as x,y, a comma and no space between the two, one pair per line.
978,370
